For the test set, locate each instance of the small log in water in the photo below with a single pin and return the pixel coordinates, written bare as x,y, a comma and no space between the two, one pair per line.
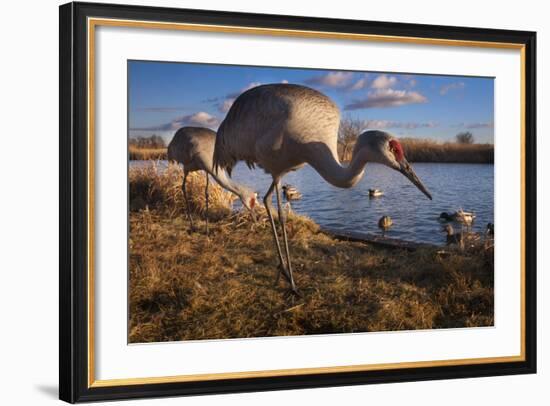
376,239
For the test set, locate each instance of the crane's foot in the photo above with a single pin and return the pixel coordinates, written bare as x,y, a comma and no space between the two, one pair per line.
293,287
295,292
282,271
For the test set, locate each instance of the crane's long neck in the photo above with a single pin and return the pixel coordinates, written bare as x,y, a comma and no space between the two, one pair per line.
327,164
227,183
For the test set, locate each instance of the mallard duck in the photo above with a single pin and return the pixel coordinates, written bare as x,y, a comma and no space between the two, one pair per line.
375,193
385,222
462,239
465,217
460,216
453,238
291,193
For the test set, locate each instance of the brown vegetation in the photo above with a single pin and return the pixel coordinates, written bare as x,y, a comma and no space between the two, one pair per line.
464,150
143,154
431,151
416,150
153,141
153,189
184,286
424,150
348,132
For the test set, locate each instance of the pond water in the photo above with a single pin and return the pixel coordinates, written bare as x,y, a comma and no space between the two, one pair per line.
415,217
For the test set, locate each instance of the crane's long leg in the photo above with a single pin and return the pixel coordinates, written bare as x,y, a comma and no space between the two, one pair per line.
268,206
207,196
285,238
183,186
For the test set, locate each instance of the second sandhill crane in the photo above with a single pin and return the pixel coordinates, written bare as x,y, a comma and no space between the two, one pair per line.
194,148
282,127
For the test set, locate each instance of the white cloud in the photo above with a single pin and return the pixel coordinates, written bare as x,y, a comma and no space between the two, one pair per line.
331,79
384,82
474,125
234,95
284,81
410,125
360,84
345,81
225,104
200,119
451,86
387,98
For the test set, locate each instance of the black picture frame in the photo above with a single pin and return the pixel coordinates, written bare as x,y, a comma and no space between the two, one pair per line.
73,284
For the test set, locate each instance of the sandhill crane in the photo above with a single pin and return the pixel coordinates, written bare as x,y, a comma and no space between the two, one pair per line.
194,148
281,127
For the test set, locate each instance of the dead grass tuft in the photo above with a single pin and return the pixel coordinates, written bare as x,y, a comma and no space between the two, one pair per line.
161,190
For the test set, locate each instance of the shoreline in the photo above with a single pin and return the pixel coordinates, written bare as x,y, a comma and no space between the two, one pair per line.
430,153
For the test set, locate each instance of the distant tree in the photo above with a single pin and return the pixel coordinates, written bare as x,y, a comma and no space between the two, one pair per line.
348,132
465,137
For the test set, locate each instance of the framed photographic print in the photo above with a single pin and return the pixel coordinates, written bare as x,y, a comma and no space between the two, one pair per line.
257,202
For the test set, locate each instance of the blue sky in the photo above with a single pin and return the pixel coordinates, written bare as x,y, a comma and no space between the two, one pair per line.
164,96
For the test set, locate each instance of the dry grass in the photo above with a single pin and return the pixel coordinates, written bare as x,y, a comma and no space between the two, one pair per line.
157,190
186,287
431,151
142,154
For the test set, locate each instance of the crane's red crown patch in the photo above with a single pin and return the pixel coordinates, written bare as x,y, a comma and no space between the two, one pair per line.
397,149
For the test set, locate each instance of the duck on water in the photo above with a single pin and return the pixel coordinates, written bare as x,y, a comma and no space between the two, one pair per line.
459,216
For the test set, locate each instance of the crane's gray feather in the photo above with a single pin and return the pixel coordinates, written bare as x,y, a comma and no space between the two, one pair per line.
271,125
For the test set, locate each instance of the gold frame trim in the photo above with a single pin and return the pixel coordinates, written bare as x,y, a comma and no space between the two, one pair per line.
94,22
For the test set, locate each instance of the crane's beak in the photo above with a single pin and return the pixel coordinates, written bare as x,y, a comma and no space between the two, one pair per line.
407,170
